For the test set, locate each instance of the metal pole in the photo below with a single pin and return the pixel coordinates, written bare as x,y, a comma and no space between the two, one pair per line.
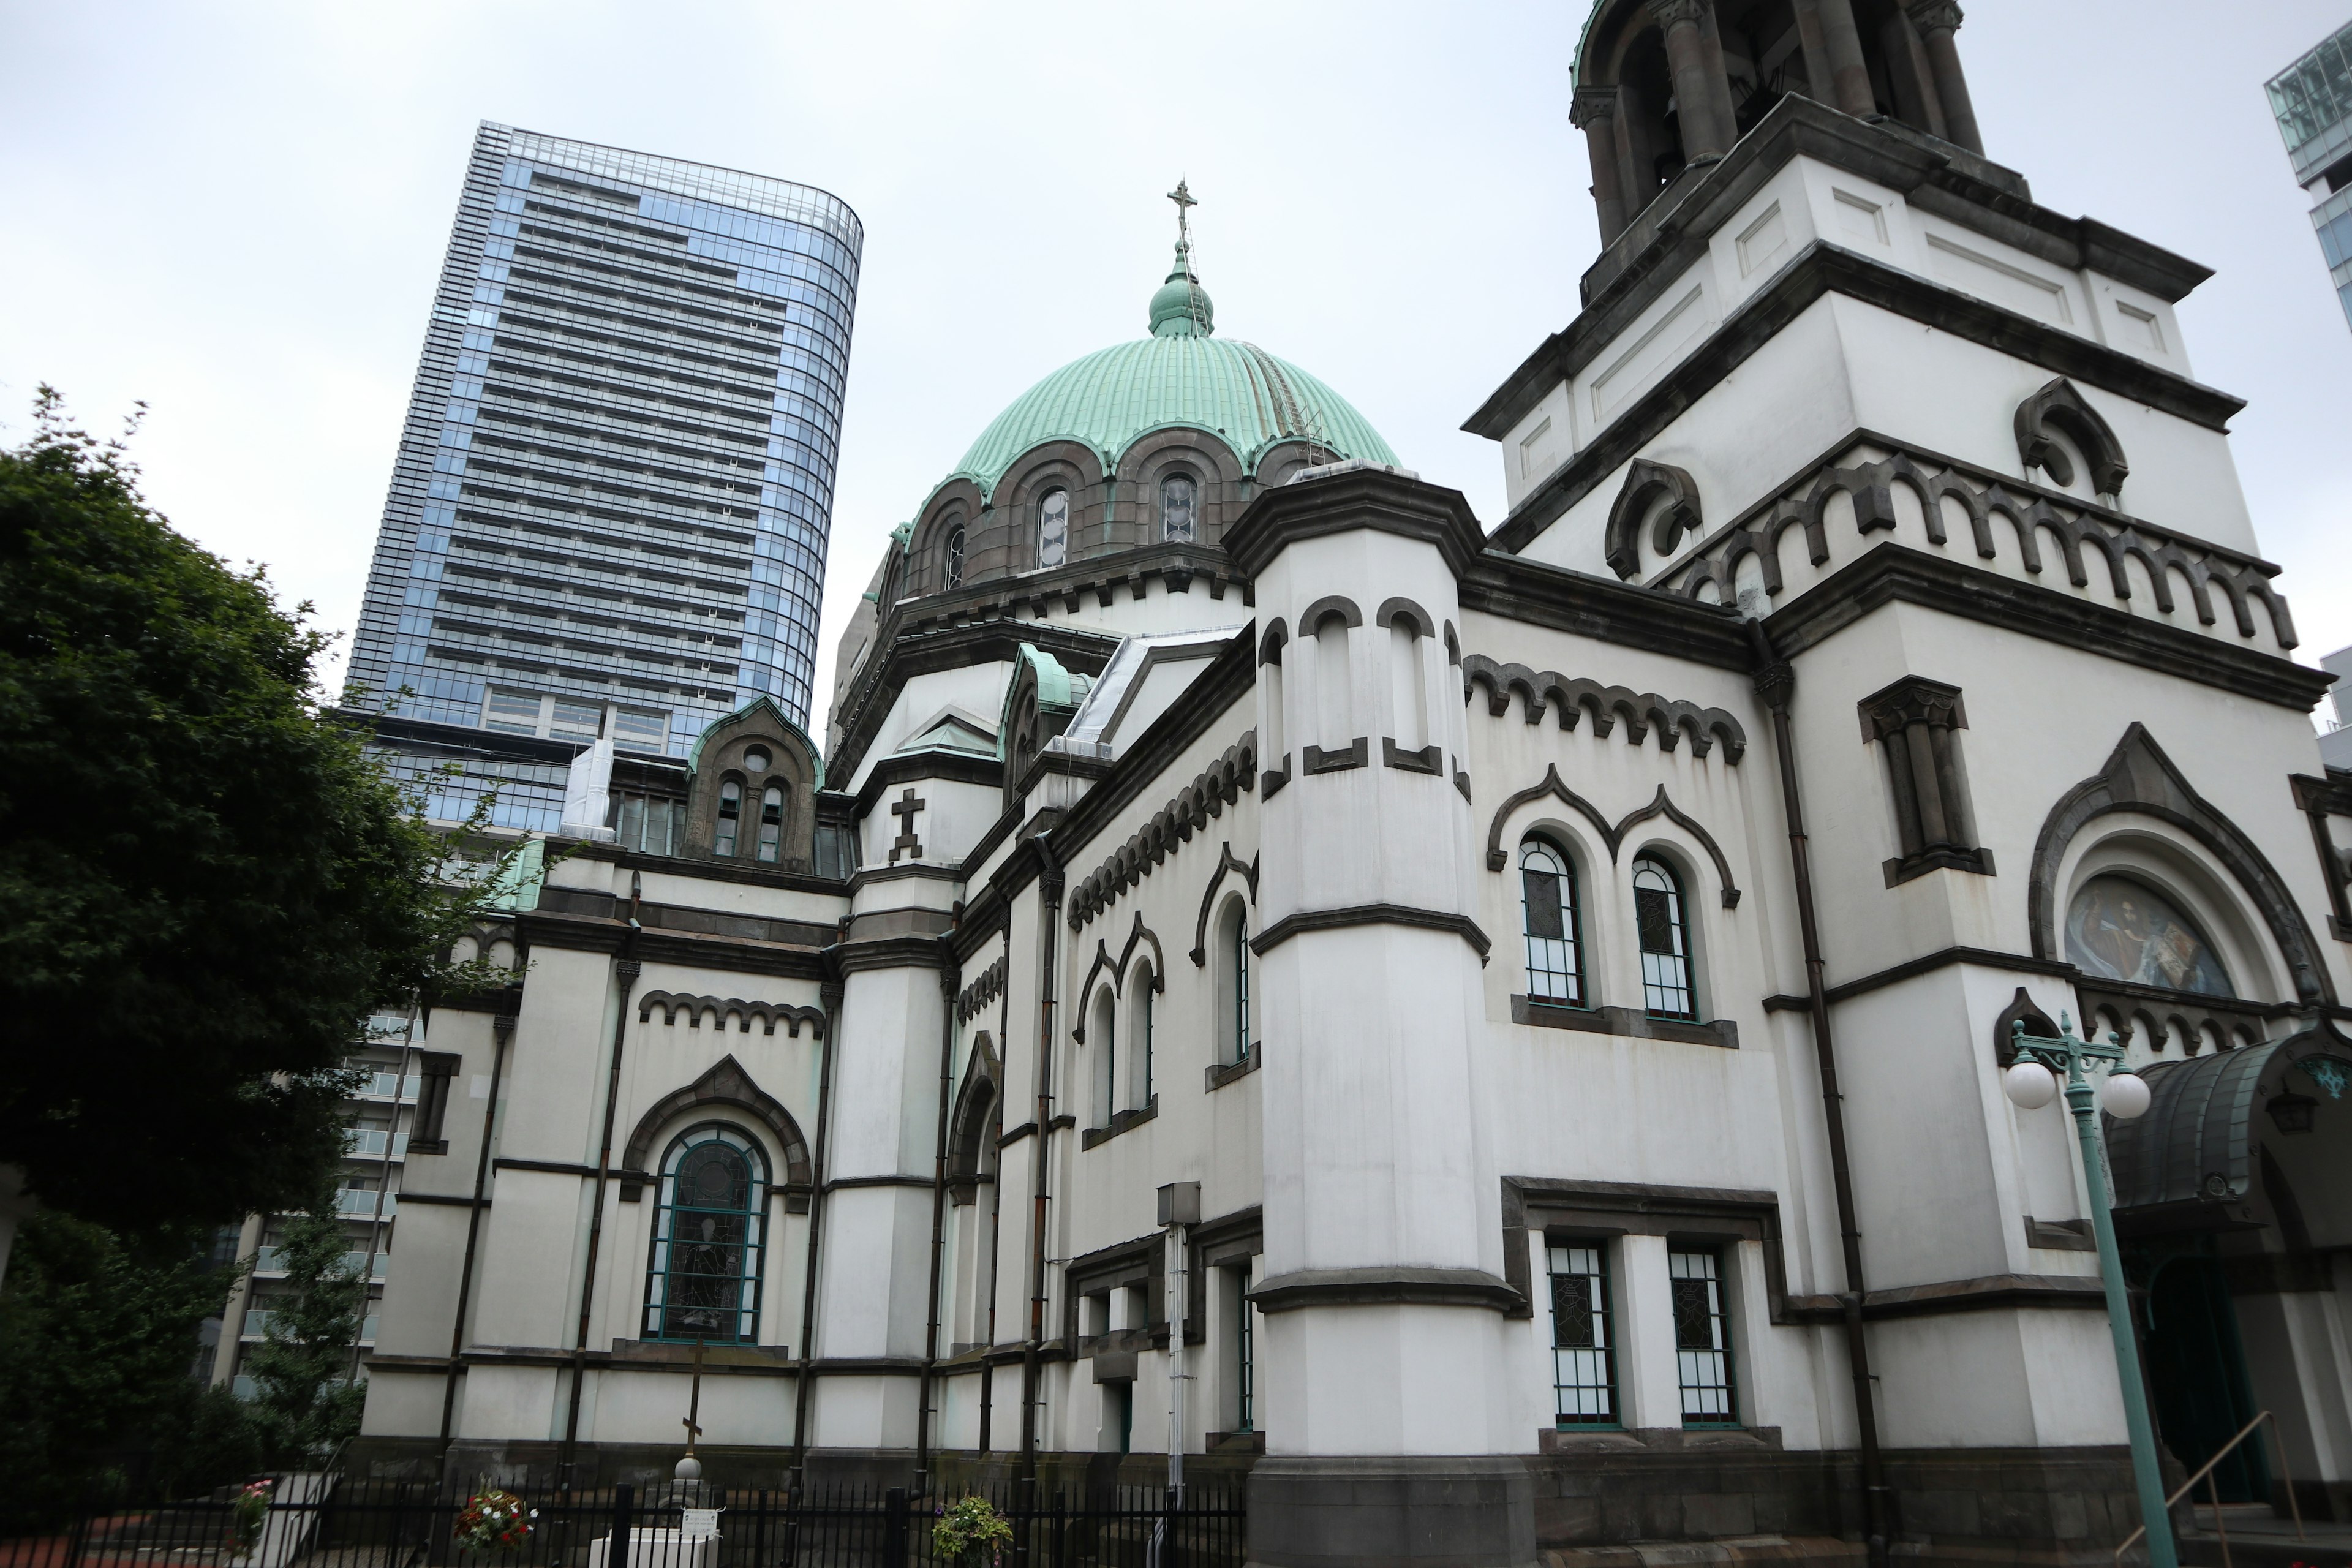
2082,1099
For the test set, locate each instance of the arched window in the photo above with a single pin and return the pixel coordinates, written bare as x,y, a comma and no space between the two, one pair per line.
1054,528
1335,711
731,817
1408,686
1179,505
771,823
955,556
1102,1036
2120,929
1553,923
709,1237
1138,1050
1666,989
1233,983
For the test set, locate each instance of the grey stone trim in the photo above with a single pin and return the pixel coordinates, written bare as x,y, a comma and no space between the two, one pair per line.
1891,573
1311,619
1216,1075
541,927
448,1200
903,651
1573,697
922,1184
725,1086
732,1009
1428,760
1270,645
910,950
1313,760
1304,921
1219,786
955,767
1402,1512
1390,610
707,870
1120,1120
1360,500
1624,1021
1629,1208
2138,777
1645,482
1385,1287
1229,862
1925,963
2058,407
1612,834
2319,799
2060,1236
983,989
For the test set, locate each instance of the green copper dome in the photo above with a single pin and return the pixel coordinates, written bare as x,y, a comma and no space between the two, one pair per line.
1183,374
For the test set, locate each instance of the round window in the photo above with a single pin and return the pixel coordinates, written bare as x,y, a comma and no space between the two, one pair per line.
756,760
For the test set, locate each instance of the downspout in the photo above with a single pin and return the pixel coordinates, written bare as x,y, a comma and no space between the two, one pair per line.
501,1031
1776,683
625,969
1049,886
949,975
832,994
995,1203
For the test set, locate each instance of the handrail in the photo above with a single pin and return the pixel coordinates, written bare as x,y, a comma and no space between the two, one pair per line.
2213,1488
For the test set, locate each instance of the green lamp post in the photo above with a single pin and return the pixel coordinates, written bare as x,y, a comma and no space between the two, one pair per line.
2030,1083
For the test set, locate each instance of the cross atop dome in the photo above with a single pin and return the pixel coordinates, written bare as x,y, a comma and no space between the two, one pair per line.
1181,309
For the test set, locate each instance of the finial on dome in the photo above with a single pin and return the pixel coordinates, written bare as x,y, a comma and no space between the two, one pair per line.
1182,307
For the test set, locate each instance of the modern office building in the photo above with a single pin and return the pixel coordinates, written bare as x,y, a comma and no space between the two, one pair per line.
2313,102
609,513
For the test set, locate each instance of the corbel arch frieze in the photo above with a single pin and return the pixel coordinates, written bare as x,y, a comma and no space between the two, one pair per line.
1661,807
1645,482
727,1085
1576,697
730,1009
1229,862
2138,777
1143,936
2058,407
1217,786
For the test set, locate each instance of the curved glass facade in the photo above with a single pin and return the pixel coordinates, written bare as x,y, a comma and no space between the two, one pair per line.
610,509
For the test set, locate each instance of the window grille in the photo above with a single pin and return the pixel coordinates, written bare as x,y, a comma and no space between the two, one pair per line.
1180,502
1241,957
1584,1349
1143,1041
771,823
955,558
1552,919
1702,1340
1666,991
709,1237
1244,1356
730,816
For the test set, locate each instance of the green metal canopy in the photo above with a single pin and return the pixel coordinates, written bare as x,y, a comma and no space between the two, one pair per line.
1181,375
2189,1158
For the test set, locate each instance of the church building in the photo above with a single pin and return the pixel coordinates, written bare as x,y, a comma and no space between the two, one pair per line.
1518,1005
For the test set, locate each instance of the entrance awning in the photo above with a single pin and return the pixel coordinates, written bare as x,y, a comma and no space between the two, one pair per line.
2187,1162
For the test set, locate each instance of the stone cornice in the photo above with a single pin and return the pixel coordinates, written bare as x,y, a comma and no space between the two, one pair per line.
900,656
1543,594
1357,499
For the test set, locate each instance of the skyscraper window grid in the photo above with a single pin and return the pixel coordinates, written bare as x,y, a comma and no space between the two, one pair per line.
2312,101
615,480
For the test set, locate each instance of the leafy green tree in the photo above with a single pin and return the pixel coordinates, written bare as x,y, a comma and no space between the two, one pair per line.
205,885
307,1402
96,1340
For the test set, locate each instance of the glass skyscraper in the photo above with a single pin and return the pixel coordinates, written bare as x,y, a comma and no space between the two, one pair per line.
609,513
2313,102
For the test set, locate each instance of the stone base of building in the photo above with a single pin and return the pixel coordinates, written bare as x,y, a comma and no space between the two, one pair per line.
1622,1499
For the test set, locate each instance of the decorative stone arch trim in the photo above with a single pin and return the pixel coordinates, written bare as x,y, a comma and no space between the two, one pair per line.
1230,862
1219,786
2058,407
2021,1009
1391,610
732,1008
1270,647
1573,697
1661,807
1452,646
1552,787
983,988
2138,777
1646,482
1311,619
1103,961
726,1084
1143,935
977,1111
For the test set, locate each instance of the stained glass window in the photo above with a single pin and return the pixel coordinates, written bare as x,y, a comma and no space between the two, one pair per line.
1180,502
710,1235
1054,528
1702,1341
1666,990
1585,1351
1548,913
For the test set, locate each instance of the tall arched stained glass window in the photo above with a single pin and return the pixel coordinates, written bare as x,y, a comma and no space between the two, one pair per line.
771,822
1179,505
1550,917
1054,528
709,1238
1666,989
731,817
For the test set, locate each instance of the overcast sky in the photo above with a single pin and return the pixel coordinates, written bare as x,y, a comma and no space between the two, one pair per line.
237,213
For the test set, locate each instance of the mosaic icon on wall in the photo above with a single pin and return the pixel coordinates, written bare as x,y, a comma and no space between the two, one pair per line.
2119,930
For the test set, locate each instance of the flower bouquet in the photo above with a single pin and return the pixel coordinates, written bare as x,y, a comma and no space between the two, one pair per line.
493,1521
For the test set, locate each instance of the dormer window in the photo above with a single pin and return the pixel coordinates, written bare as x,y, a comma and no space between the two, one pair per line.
771,823
1054,528
1180,500
955,557
730,816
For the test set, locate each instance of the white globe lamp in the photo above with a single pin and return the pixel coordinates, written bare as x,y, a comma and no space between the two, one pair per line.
2029,1084
2124,1095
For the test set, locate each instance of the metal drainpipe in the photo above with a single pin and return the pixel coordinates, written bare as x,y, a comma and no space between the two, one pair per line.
1049,884
949,975
625,969
834,995
1776,683
502,1030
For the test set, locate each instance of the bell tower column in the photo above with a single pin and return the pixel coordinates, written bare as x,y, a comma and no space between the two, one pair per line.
1389,1420
1936,21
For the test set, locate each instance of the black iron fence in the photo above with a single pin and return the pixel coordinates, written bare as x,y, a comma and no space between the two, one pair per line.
390,1524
